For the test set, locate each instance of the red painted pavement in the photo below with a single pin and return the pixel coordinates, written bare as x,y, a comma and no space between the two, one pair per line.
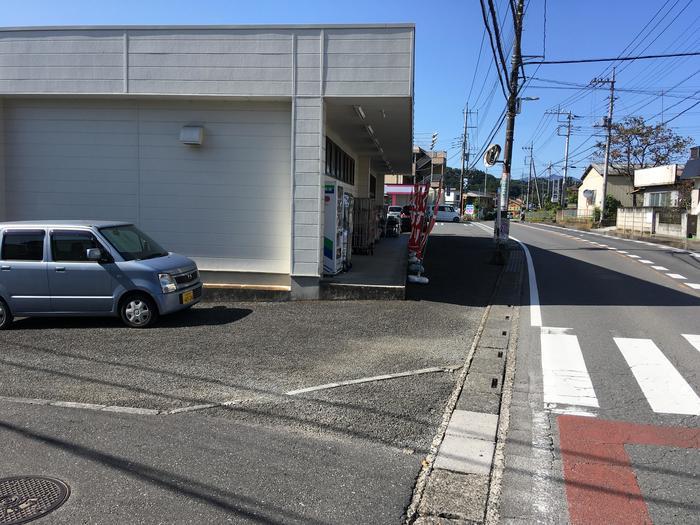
601,486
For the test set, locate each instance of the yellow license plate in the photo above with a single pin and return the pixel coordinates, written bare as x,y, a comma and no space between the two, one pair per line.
188,297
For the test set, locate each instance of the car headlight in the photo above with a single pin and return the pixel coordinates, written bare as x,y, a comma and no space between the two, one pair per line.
167,282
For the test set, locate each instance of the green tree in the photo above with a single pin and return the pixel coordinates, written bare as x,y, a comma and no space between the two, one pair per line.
611,206
635,144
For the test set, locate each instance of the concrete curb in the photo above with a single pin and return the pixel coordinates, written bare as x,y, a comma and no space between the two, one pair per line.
461,481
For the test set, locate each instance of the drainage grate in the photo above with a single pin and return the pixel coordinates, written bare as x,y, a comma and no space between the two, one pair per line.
27,498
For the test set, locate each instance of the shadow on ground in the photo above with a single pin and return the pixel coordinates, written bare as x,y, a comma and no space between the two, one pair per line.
200,316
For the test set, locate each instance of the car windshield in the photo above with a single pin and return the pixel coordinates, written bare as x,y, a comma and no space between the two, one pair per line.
131,243
394,208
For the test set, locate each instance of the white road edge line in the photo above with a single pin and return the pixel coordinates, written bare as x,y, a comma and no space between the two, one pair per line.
384,377
663,386
535,309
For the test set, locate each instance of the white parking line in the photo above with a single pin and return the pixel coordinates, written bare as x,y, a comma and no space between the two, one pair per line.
83,406
660,268
663,386
383,377
676,276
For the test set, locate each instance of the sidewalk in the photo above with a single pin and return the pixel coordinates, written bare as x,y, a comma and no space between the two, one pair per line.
460,481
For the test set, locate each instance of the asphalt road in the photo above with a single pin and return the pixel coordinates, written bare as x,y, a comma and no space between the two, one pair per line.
340,455
605,414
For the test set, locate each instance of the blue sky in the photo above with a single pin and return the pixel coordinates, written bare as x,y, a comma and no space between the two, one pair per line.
448,38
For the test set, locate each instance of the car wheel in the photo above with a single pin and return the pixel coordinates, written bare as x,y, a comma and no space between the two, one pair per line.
138,311
5,315
456,219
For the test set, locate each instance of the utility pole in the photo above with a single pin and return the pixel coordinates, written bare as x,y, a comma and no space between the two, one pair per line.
529,177
513,88
569,116
464,159
608,125
537,185
465,156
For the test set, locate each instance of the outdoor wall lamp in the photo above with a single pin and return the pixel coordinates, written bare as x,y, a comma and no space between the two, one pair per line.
192,135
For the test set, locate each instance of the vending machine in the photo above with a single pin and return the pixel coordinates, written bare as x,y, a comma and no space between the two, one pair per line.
334,208
348,205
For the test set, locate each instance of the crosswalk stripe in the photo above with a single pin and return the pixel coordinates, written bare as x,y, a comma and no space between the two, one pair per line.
564,375
676,276
646,261
694,286
662,268
694,340
633,256
664,388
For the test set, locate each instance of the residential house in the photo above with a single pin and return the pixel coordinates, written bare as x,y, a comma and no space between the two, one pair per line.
590,193
659,186
515,206
691,175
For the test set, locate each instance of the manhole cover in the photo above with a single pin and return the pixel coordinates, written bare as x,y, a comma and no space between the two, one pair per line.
27,498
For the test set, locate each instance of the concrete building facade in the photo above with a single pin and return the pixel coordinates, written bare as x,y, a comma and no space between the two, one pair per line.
92,121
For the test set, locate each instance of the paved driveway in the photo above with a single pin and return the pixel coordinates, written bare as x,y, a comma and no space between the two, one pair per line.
257,452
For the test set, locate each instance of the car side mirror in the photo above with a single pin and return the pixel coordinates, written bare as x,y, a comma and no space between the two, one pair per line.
94,254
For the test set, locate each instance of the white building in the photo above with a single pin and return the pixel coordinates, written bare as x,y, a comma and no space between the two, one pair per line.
590,193
91,121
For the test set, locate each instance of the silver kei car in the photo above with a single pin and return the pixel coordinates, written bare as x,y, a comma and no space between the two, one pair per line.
91,268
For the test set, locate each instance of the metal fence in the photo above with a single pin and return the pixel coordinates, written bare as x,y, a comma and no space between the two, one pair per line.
575,216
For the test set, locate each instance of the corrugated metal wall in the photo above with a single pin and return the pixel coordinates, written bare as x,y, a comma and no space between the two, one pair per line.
227,203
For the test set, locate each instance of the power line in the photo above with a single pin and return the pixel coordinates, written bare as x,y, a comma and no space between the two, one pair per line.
622,59
493,47
682,112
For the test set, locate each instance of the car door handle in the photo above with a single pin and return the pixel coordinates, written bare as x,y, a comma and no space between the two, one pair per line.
60,268
5,268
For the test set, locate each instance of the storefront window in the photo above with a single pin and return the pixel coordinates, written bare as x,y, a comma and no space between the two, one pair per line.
339,164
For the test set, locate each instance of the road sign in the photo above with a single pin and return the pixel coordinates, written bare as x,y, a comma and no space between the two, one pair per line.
469,209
